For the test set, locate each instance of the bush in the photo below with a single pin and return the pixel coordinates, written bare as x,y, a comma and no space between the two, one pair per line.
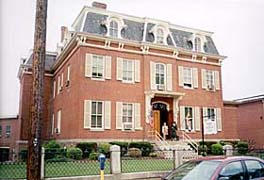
217,149
123,146
93,156
242,147
153,154
145,147
105,149
74,153
202,149
23,154
134,152
87,148
52,144
51,153
63,159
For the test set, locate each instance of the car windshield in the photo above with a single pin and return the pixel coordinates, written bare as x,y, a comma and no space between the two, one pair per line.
198,170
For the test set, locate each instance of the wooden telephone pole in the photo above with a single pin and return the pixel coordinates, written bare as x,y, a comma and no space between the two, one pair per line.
38,70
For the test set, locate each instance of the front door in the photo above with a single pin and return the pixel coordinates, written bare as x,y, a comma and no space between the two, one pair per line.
156,117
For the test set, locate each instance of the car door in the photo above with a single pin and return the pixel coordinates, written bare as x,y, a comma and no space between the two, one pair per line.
255,169
232,171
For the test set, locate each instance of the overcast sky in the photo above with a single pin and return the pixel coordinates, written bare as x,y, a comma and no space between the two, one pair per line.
238,27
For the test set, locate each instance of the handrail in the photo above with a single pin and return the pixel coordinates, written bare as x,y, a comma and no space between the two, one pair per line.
158,138
186,137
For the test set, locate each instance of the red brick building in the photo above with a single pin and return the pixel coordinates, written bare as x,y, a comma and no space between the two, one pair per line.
118,77
248,114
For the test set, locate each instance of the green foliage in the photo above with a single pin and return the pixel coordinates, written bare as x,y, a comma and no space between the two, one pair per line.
87,148
74,153
202,149
153,154
23,154
134,152
51,153
145,147
105,149
217,149
62,159
93,156
52,144
242,147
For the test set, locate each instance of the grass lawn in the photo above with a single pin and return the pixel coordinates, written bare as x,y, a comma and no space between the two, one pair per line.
84,168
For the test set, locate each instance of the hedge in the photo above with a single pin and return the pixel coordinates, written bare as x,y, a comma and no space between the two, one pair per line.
87,148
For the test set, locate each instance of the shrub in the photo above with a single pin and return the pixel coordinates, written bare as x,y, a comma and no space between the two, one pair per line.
105,149
87,148
63,159
52,144
208,145
153,154
145,147
74,153
51,153
23,154
242,147
217,149
134,152
202,149
123,146
93,156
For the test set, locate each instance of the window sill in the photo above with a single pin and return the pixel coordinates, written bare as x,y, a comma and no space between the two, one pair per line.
185,87
128,82
127,130
95,129
97,79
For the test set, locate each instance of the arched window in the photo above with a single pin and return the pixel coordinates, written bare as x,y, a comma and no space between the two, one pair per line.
197,44
113,29
160,36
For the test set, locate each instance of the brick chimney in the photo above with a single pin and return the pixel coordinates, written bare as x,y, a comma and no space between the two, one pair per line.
64,30
99,5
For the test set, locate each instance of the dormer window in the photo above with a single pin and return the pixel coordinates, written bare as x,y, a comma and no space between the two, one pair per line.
197,44
113,29
160,36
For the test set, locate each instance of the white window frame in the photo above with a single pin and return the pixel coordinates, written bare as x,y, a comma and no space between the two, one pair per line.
58,122
211,114
126,116
160,34
113,28
198,44
159,74
52,123
184,74
68,75
8,130
96,115
192,128
54,88
97,58
127,69
210,80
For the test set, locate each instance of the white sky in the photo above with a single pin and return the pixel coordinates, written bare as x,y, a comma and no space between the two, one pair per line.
238,26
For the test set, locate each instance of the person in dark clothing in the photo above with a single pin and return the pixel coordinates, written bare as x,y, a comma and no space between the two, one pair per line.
174,132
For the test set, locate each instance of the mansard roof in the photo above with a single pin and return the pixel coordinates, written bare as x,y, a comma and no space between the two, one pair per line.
49,61
93,20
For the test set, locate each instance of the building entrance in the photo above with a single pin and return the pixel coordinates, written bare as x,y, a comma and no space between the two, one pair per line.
160,116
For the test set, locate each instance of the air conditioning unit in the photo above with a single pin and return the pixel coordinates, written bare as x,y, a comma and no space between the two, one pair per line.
61,87
127,126
160,87
210,87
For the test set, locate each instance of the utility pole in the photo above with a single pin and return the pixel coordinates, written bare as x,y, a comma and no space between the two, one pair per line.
38,70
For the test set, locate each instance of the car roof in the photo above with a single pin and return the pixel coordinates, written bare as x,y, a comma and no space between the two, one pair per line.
227,158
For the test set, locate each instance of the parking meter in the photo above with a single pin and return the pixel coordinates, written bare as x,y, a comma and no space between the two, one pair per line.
101,160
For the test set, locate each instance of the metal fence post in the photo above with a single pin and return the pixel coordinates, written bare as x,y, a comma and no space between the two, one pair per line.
42,165
174,158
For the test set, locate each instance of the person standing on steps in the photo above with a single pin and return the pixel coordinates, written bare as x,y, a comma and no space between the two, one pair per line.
165,130
174,129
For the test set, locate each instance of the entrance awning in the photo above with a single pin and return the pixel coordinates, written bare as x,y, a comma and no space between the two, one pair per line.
177,95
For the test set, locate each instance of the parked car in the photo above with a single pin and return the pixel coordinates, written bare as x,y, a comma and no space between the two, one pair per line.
219,168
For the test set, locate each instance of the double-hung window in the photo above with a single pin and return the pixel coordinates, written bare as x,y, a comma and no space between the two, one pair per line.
127,70
127,116
8,130
97,115
187,77
160,76
97,66
160,36
197,44
210,79
211,114
189,118
113,29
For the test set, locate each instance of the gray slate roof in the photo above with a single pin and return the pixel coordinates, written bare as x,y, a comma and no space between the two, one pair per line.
50,59
94,23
